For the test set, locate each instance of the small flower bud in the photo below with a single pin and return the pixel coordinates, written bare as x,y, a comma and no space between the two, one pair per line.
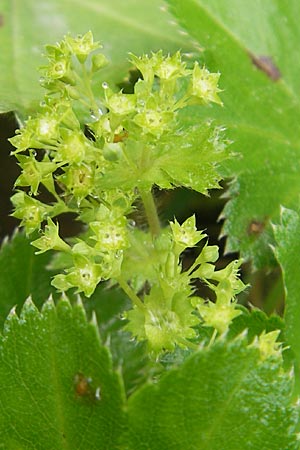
82,46
121,104
99,61
29,210
73,148
204,85
267,345
34,172
186,234
169,67
51,239
216,315
145,65
154,122
79,180
110,236
85,276
23,139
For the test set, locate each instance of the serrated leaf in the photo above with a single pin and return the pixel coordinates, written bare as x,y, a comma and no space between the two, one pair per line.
255,322
223,397
251,324
191,159
287,252
22,273
187,158
58,388
25,28
255,47
129,357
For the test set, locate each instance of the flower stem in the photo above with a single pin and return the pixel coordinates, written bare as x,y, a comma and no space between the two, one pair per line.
213,338
88,89
130,292
188,344
151,212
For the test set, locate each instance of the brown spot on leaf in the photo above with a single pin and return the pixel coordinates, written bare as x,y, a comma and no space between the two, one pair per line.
266,65
1,20
82,385
256,227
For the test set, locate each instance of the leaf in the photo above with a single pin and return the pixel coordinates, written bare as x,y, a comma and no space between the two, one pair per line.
255,322
58,388
22,273
252,324
187,158
129,357
255,47
287,252
25,27
223,397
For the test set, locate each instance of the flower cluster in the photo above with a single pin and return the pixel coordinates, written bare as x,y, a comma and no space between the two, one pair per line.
169,313
96,150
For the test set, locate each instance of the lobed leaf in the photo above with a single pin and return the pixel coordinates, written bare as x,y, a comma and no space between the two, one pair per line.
223,397
254,46
189,158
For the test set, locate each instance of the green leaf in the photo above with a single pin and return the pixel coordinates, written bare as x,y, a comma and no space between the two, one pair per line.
132,360
22,273
223,397
129,357
187,158
255,322
287,252
58,388
261,108
26,27
251,324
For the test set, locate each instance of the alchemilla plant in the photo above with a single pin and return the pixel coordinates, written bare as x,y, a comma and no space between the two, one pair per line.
100,154
129,144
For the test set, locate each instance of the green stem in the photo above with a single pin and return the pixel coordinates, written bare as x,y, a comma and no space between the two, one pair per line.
181,103
213,338
151,212
130,292
88,89
188,344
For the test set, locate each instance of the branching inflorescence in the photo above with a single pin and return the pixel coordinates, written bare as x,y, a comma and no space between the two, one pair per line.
97,152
